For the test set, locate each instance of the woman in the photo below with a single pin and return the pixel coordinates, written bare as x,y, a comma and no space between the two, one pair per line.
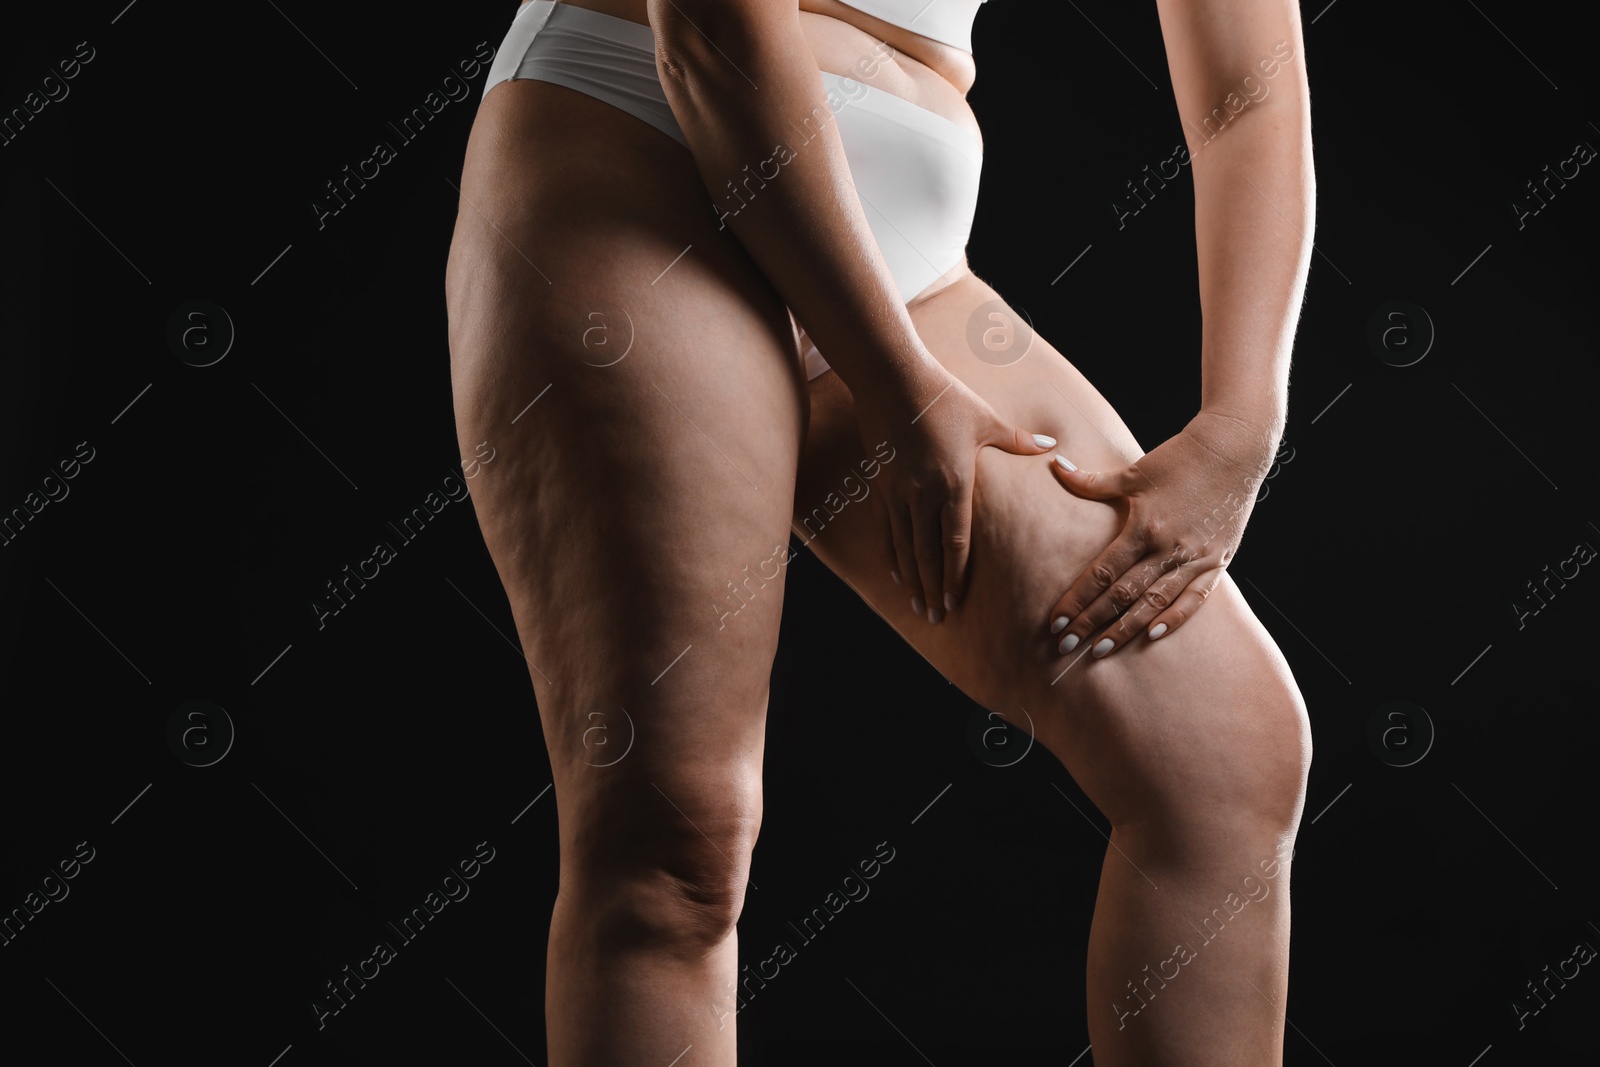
650,187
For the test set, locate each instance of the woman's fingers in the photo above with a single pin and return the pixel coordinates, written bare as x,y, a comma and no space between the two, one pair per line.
905,553
1185,604
926,514
1169,597
1168,603
1098,596
957,538
1180,545
1161,595
1097,485
929,499
953,520
1124,595
1017,441
891,556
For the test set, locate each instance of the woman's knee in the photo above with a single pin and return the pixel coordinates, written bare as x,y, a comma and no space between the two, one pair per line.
1251,778
659,798
1218,749
663,863
1273,760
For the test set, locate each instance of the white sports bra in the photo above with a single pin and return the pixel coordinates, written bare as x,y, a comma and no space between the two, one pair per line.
948,21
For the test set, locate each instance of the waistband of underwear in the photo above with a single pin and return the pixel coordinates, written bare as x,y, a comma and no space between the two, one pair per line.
590,50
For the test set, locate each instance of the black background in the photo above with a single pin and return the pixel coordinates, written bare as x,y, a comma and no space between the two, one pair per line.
373,754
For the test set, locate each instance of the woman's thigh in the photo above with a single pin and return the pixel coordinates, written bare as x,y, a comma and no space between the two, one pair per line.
628,383
1143,731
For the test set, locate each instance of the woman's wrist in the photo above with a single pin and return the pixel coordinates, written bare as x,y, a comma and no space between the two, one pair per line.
1245,437
910,382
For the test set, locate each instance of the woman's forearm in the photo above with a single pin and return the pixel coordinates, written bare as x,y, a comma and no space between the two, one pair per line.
744,86
1255,195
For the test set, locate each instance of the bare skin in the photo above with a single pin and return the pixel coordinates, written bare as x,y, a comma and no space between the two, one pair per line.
1195,747
623,502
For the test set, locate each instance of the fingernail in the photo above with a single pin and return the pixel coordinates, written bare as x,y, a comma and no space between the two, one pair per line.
935,616
1060,624
1043,441
917,606
1157,630
1065,463
1068,643
896,576
949,602
1105,645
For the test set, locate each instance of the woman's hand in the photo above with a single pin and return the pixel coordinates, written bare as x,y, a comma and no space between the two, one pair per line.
935,425
1188,501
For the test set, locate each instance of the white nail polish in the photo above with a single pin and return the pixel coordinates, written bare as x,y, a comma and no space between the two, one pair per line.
1105,645
896,576
917,605
1068,643
1043,441
1065,463
1157,630
1060,624
949,602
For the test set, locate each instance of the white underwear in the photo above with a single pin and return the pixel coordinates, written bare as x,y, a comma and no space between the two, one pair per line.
916,172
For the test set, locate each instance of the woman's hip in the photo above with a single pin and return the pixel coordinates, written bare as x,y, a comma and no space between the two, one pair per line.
916,171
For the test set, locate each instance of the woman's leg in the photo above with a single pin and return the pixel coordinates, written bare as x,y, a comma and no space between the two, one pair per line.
1195,747
636,379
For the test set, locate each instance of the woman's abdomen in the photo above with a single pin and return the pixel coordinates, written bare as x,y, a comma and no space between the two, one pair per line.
854,45
851,52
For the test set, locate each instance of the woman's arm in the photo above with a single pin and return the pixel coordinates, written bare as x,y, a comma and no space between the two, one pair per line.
1241,89
1238,73
741,79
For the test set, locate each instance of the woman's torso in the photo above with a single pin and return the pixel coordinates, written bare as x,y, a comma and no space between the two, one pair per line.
929,73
